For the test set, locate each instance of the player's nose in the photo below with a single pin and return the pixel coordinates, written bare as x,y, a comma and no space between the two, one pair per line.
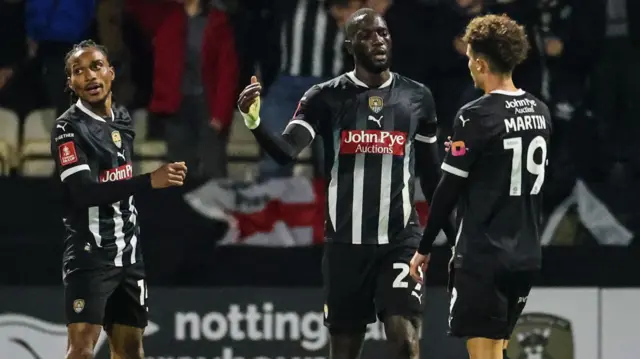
90,76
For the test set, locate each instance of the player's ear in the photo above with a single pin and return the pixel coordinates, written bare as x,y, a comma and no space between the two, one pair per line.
112,73
482,65
349,46
69,85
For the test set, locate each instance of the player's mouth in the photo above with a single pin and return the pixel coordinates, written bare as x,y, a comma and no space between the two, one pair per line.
379,54
93,89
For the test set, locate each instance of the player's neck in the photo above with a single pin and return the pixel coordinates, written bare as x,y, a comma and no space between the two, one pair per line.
371,79
499,83
102,109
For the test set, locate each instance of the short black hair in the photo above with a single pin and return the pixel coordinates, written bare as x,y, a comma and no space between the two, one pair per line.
350,27
500,39
84,44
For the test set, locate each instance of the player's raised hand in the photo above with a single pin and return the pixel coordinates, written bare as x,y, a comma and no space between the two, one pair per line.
418,266
249,103
169,175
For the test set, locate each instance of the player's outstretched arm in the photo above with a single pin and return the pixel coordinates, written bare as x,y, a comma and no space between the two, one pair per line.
74,169
285,147
85,191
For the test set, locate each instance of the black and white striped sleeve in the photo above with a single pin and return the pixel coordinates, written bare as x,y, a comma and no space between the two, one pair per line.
427,120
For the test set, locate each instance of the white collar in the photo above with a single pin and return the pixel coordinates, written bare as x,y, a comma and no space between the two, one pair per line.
84,109
352,76
518,92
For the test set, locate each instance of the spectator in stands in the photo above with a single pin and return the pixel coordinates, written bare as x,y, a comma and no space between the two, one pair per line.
567,56
13,55
449,75
257,30
110,28
13,47
195,79
310,51
53,27
615,39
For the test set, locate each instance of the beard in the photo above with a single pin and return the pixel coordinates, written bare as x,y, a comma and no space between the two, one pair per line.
94,102
371,65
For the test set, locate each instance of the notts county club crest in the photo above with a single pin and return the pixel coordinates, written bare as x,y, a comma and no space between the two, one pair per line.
115,136
78,305
375,104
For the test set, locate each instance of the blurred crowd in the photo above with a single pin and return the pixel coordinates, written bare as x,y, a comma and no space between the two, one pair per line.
184,61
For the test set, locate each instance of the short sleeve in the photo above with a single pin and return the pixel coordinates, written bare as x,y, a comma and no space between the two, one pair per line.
67,150
427,120
306,114
467,141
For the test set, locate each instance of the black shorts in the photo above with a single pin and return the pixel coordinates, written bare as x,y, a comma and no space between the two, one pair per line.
362,281
105,296
487,304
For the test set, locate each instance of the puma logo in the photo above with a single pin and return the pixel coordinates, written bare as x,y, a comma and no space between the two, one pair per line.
418,296
62,125
376,120
121,155
464,122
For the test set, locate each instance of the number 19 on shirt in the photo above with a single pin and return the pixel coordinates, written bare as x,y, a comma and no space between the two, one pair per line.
536,169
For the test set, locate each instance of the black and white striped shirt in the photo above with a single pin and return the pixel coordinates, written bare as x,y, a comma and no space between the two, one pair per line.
311,44
93,159
368,136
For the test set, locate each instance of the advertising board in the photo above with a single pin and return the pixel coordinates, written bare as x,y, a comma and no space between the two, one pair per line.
277,323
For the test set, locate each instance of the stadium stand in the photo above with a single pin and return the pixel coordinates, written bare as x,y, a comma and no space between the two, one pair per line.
9,134
35,151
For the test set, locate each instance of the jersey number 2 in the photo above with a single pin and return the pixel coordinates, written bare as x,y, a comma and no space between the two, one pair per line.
537,169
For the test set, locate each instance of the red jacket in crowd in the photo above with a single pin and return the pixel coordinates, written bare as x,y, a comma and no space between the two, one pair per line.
166,23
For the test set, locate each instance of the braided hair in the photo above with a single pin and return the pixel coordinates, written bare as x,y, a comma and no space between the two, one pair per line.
84,44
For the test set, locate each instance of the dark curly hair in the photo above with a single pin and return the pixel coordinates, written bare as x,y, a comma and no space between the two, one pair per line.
500,40
85,44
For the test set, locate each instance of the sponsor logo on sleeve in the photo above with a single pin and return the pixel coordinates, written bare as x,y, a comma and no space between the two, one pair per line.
63,136
458,148
67,153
